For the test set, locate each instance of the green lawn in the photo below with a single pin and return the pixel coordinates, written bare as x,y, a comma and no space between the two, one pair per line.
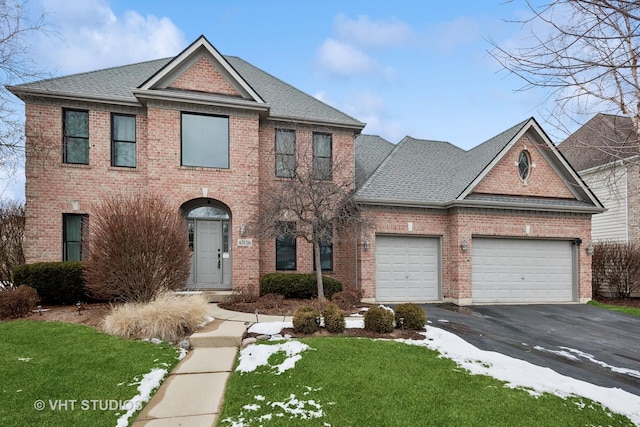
634,311
362,382
50,365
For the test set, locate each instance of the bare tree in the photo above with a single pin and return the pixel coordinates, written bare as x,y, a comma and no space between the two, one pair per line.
312,200
11,239
585,53
16,66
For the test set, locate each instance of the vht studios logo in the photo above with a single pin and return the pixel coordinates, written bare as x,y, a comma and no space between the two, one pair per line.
86,405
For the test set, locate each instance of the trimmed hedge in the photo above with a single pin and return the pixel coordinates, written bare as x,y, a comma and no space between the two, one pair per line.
56,282
413,317
379,319
333,319
296,285
305,320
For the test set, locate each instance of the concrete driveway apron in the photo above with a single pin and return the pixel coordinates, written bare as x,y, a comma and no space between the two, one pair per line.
581,341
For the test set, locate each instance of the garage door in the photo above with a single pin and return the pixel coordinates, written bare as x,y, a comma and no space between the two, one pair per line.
407,269
517,270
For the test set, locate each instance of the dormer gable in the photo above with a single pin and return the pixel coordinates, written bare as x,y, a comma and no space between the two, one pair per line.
200,70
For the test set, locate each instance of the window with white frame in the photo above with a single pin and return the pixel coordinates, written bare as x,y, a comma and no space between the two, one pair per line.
205,141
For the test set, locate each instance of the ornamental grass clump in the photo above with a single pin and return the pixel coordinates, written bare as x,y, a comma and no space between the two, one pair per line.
306,320
333,319
379,319
410,316
169,317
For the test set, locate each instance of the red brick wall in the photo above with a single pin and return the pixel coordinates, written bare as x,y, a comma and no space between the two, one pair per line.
204,77
505,179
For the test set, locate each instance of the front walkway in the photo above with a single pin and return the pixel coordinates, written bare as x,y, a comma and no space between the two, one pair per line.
192,394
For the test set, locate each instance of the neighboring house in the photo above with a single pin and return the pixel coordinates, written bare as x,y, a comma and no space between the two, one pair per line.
604,151
503,222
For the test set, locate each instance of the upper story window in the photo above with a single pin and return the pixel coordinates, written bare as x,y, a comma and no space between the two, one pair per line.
75,125
123,140
524,165
322,156
205,141
285,153
73,233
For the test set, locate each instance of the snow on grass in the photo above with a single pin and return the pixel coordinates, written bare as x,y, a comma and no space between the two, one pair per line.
269,328
521,374
514,372
253,356
292,408
149,382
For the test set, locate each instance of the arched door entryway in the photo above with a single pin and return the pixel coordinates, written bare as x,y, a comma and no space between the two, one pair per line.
209,226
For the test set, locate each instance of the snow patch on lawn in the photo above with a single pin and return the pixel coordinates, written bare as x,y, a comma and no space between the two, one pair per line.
254,355
149,382
292,408
517,373
521,374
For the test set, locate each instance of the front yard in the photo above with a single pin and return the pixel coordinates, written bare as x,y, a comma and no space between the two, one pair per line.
59,374
350,381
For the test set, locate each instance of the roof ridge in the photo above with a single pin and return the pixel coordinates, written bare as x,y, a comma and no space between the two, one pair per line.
297,90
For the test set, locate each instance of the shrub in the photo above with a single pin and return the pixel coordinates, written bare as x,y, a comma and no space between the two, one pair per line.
379,319
12,232
169,317
347,300
333,319
296,285
138,248
616,266
17,302
55,282
413,317
306,319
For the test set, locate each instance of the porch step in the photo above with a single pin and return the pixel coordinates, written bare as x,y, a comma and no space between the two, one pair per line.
211,295
213,335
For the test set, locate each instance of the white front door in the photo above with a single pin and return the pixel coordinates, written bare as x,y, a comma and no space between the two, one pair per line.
208,253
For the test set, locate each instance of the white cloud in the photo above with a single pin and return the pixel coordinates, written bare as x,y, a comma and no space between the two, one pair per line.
89,36
344,59
370,108
372,34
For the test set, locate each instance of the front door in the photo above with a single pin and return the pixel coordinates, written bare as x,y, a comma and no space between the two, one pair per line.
208,253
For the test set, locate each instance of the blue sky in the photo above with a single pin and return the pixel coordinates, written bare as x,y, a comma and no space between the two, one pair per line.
418,68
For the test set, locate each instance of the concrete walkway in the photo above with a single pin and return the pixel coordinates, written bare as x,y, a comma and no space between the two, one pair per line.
192,394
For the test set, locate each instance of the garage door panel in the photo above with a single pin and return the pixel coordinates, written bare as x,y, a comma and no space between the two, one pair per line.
412,274
520,270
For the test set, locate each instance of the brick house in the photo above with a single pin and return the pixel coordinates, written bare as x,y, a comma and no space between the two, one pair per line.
502,222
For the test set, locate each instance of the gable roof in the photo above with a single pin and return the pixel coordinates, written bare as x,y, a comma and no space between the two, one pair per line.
130,84
604,139
370,151
438,174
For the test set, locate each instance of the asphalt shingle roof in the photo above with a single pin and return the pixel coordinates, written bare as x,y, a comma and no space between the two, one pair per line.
605,138
370,151
425,171
117,82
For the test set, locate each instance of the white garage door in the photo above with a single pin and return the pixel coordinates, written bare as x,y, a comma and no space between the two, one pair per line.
518,270
407,269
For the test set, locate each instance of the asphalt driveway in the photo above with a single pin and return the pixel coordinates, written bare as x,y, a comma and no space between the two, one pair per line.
581,341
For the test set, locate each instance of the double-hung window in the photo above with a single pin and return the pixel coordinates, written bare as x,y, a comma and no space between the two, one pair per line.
73,233
75,125
322,156
123,140
285,153
326,253
286,247
205,141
